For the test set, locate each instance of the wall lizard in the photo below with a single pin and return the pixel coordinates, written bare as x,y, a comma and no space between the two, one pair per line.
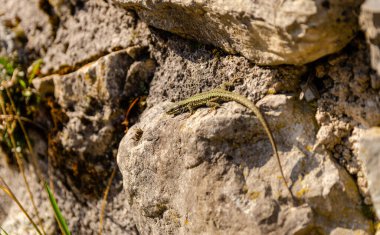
215,96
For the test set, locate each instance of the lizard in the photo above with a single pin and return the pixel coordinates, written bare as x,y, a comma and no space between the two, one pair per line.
212,98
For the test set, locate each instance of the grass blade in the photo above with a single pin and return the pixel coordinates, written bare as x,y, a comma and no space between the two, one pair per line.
104,201
3,231
8,191
58,215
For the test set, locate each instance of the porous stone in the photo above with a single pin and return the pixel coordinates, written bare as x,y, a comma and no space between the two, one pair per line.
266,32
91,110
97,28
215,172
7,41
370,23
29,21
348,105
184,70
211,172
68,34
348,93
369,153
12,219
89,98
84,215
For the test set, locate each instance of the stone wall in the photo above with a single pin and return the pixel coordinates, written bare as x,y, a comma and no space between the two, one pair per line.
310,66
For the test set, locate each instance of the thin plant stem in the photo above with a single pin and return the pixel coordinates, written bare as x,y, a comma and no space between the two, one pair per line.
8,117
104,201
3,231
9,192
19,157
34,158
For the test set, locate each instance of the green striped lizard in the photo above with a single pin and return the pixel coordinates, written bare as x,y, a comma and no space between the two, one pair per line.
215,96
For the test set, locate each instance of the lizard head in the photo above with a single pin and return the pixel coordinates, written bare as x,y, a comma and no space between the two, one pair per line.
175,109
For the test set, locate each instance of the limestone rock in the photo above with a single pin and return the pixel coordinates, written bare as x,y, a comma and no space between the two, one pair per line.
349,90
266,32
369,20
369,153
91,110
12,219
7,41
96,28
68,34
184,70
214,172
29,21
83,215
89,97
348,105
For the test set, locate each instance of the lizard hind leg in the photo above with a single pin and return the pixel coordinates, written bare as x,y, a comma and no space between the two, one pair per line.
190,108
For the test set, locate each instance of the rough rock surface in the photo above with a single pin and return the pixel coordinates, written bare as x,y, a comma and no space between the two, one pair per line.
97,28
11,217
30,21
185,69
266,32
91,99
203,171
7,41
69,34
83,215
369,153
213,171
209,179
370,21
349,102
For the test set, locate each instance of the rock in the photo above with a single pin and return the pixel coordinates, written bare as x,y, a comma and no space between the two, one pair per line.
45,85
89,97
139,74
349,95
28,19
210,172
266,32
369,153
355,165
64,8
84,149
369,21
214,172
97,28
83,215
184,70
7,41
12,219
348,105
91,107
68,34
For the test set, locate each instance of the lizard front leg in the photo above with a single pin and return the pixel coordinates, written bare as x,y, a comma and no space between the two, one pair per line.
190,108
213,104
